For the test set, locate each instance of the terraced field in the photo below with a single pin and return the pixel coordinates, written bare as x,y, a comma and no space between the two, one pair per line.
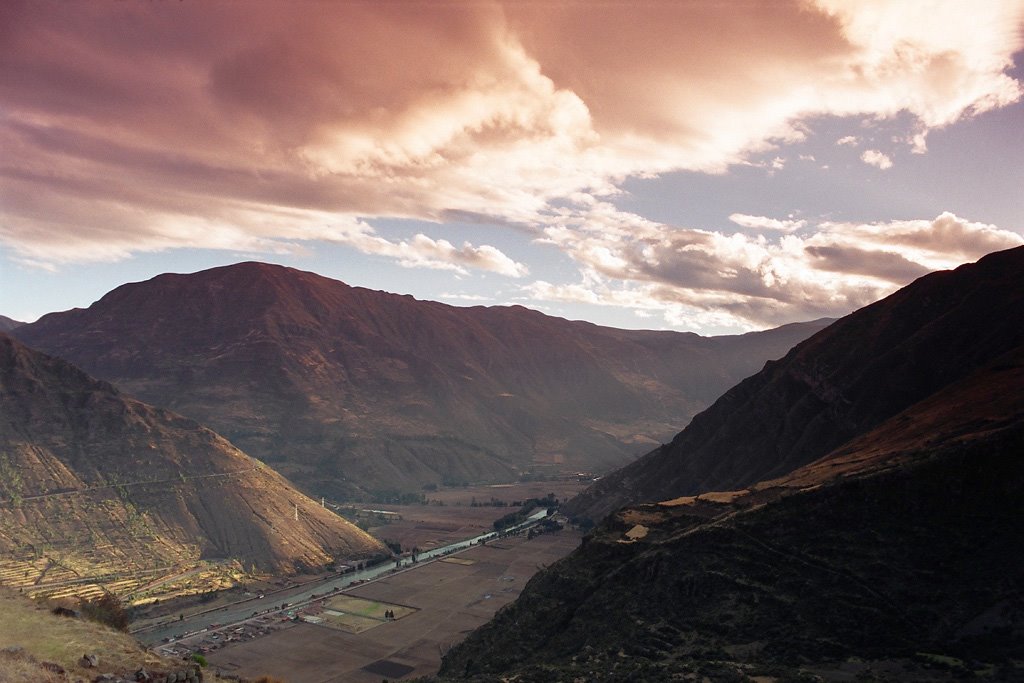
82,544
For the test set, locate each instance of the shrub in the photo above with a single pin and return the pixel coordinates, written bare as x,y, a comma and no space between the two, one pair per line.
106,609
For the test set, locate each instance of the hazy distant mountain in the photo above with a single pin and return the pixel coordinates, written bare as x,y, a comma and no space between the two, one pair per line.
906,539
92,480
841,382
6,324
342,387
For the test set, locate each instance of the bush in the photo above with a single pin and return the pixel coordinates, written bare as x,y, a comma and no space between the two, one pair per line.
199,659
106,609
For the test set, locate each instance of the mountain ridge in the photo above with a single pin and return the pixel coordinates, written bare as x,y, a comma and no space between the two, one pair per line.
346,389
8,324
841,381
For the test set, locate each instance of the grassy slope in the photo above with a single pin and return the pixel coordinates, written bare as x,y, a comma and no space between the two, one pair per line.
49,638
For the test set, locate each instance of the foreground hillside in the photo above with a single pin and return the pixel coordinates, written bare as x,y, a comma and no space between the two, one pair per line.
37,646
843,381
95,484
342,388
899,556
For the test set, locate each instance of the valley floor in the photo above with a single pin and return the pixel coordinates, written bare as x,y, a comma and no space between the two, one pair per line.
436,604
458,513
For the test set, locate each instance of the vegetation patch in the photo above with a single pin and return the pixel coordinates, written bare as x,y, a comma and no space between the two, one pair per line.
355,615
32,635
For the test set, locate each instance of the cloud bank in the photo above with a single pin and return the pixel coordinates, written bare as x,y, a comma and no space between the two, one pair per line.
132,127
704,279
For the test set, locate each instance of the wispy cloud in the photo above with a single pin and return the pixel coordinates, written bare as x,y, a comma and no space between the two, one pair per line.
465,297
737,281
765,223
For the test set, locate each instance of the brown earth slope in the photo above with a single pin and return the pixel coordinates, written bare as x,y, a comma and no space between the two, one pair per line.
900,551
93,482
840,383
342,388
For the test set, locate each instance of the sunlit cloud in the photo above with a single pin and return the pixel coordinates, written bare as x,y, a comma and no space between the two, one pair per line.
464,297
765,223
872,157
260,128
252,229
740,281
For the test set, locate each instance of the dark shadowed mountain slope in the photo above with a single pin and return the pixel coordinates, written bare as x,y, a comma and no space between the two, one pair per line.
908,539
92,481
341,387
7,324
841,382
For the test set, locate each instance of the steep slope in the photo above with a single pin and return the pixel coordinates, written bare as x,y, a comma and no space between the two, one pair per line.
95,483
841,382
7,324
907,539
341,387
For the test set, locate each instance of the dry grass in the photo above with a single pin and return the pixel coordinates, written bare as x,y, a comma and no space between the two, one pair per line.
61,640
349,623
21,668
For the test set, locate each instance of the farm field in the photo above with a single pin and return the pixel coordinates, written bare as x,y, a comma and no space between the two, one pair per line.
436,605
355,615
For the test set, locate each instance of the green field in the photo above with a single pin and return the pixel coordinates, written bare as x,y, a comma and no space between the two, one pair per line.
355,615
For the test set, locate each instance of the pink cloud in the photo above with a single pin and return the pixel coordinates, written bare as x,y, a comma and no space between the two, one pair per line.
133,126
704,278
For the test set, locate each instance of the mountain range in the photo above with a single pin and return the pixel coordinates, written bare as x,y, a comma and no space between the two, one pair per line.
897,555
347,390
94,483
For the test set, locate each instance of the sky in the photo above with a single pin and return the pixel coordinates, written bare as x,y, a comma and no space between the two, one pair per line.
698,165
